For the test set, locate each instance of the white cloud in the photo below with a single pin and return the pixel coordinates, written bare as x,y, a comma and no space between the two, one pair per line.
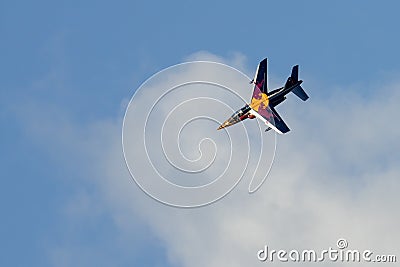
332,179
335,175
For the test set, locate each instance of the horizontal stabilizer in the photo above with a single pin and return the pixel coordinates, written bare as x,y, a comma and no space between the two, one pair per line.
300,93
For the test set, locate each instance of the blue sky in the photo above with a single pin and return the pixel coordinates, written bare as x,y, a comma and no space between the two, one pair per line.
67,68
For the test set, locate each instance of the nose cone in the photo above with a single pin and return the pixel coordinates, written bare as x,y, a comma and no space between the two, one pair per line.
225,124
236,117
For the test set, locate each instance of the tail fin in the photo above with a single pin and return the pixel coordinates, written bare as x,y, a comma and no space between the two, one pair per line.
295,74
294,79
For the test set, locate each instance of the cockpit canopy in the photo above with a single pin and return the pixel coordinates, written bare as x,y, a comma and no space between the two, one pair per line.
236,116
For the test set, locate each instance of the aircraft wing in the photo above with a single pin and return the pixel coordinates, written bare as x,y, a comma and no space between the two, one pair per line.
260,96
260,78
271,118
279,123
260,102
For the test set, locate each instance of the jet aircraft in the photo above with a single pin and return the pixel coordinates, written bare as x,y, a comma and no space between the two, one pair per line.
263,103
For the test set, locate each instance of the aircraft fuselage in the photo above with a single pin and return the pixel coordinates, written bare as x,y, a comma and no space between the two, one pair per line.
275,97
